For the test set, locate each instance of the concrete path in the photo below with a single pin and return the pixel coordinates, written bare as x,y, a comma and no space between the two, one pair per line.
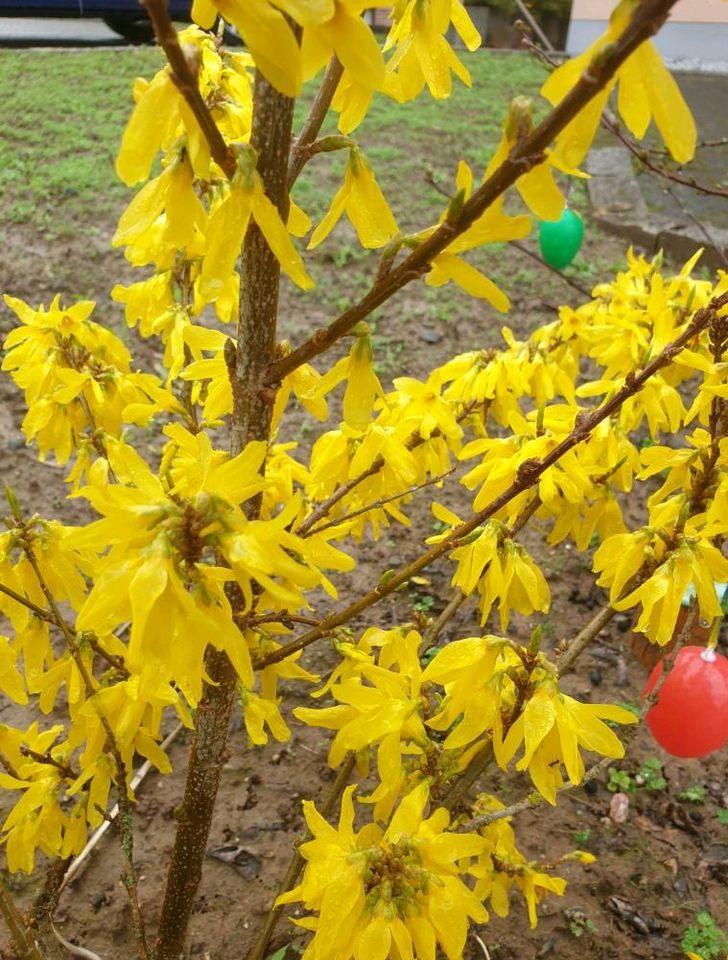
47,32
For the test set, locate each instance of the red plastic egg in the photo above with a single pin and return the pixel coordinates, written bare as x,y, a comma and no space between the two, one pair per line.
690,718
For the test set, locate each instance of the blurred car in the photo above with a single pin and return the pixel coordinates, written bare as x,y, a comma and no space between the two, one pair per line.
126,17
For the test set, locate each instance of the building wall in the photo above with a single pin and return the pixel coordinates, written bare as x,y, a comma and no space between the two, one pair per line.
696,28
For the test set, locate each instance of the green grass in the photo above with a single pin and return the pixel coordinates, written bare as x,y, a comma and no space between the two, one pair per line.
402,141
63,112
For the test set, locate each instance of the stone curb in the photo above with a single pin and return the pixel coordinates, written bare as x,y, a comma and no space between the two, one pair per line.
619,208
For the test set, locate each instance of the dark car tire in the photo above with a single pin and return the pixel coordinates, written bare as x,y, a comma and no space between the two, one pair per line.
132,27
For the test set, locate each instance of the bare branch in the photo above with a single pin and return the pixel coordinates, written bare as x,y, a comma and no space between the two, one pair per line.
314,120
527,153
22,940
378,504
38,611
525,478
184,76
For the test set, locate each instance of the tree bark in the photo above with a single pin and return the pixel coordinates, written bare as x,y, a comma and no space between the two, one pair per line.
252,408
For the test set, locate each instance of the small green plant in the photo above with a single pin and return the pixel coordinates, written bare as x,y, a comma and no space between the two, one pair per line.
722,816
694,794
579,923
581,837
425,604
705,938
650,776
620,781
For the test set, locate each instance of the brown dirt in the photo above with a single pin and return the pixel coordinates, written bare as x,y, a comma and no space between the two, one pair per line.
666,863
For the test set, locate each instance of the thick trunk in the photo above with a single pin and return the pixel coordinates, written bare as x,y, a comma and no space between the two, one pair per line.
271,137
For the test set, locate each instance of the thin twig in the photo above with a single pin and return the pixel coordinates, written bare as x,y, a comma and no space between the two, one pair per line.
432,633
528,153
314,120
526,477
22,939
581,641
186,81
533,24
66,771
33,607
715,244
377,504
323,509
610,122
539,260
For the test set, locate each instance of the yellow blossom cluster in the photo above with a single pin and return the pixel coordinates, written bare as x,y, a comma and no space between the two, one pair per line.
196,552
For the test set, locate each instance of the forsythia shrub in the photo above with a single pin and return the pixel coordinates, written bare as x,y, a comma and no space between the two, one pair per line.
216,554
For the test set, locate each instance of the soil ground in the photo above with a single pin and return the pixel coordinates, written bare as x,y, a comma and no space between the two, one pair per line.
654,873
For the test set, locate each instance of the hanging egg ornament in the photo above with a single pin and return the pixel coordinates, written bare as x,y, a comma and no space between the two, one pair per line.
690,718
560,239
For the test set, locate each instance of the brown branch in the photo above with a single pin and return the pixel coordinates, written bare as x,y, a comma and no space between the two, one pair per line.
533,24
112,659
44,905
38,611
293,872
562,276
8,767
584,637
432,633
65,770
526,477
527,153
251,417
314,120
377,504
283,617
610,122
416,440
184,76
22,939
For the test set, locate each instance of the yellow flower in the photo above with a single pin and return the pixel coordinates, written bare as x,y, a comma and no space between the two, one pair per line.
538,189
364,204
362,384
694,561
267,33
384,711
226,232
502,866
161,114
76,376
493,226
423,54
646,91
347,36
552,728
386,894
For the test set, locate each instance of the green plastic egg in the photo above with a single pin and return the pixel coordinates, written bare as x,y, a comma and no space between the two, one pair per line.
560,239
